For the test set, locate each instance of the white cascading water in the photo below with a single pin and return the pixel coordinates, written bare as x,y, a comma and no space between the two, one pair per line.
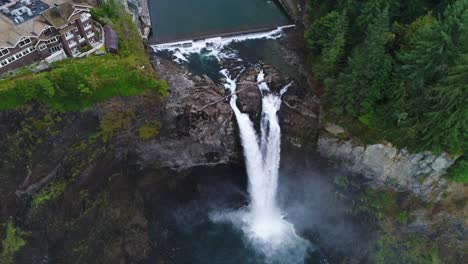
263,221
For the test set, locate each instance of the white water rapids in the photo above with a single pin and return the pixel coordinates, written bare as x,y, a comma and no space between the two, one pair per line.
214,46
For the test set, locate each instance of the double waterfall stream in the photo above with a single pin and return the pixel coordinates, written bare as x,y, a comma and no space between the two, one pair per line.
263,222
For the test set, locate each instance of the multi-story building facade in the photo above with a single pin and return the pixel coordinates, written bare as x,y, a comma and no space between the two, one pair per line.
32,30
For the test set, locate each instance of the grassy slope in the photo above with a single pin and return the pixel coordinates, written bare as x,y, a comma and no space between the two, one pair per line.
76,84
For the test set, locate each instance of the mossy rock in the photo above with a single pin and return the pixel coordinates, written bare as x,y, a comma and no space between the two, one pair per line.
149,131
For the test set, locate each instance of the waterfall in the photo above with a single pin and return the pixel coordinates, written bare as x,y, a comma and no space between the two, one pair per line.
264,221
262,224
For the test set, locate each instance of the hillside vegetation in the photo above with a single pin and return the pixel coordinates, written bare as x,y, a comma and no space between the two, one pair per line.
398,68
76,84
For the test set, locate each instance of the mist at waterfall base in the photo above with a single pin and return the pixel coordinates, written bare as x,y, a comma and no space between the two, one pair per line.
306,198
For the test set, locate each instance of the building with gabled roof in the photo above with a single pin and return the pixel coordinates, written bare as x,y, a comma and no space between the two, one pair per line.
32,30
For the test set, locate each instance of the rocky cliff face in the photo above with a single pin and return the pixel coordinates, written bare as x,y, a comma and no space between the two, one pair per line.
205,122
80,183
421,174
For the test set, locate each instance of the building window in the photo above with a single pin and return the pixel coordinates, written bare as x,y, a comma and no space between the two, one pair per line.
28,50
52,40
68,34
16,56
4,52
42,46
84,16
48,31
55,49
24,42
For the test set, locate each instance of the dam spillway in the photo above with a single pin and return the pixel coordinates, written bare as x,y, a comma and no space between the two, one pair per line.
173,21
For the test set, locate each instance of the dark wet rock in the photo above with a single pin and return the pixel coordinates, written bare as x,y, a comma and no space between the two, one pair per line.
196,133
201,123
104,176
299,111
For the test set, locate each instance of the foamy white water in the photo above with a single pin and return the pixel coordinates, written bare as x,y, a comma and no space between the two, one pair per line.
214,46
262,221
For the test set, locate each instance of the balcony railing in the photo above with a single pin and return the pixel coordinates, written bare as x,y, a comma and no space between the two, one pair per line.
84,17
73,44
76,54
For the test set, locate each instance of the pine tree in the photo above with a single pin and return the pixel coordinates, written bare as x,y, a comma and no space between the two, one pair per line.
367,77
446,125
326,39
408,79
420,64
430,79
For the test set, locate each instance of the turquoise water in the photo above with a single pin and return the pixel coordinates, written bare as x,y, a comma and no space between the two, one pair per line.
174,20
217,243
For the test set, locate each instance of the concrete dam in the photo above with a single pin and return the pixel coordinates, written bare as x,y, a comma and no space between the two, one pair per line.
176,21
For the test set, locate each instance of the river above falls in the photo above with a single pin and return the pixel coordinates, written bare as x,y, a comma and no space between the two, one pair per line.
192,19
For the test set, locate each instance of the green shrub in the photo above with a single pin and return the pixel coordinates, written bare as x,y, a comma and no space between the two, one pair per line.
54,190
366,119
403,217
149,131
411,250
112,121
108,10
85,49
375,203
14,241
459,171
78,84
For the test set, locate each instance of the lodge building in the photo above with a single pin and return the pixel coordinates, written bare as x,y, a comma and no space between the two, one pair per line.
32,30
